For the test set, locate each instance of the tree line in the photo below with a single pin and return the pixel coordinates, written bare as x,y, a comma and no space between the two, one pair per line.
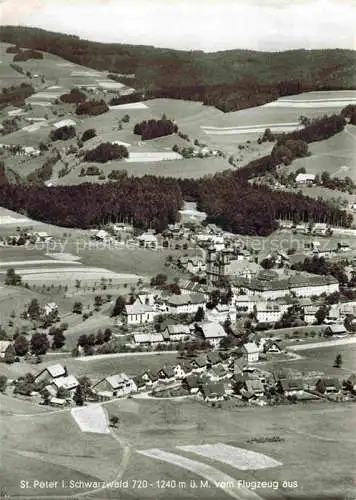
229,80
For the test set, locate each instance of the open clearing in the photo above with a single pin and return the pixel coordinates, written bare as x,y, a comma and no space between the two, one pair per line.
91,419
238,458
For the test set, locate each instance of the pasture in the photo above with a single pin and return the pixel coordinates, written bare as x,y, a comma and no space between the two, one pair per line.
336,155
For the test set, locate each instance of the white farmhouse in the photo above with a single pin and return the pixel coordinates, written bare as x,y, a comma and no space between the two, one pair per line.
138,314
251,352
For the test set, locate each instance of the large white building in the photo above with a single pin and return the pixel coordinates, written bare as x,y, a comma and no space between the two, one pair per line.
138,314
185,303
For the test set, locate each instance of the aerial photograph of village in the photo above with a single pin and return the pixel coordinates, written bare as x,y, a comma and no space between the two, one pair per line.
178,249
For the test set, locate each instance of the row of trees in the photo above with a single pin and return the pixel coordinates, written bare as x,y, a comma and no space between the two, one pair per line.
322,266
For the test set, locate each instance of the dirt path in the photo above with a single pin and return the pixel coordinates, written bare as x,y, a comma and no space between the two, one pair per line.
318,345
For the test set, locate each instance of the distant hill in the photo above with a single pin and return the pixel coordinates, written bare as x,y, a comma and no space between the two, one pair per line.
229,80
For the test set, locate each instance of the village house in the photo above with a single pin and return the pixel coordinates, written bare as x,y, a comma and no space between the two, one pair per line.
212,391
50,308
185,304
309,313
213,358
291,387
68,382
245,304
191,383
217,372
305,178
148,339
199,364
251,352
222,313
350,383
338,329
187,287
328,385
4,346
51,372
167,374
252,389
148,240
138,314
176,333
118,385
194,265
211,332
268,312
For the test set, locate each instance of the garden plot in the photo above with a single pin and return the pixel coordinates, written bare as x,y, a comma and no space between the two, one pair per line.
238,458
91,419
217,478
133,105
152,157
110,85
35,126
254,129
8,219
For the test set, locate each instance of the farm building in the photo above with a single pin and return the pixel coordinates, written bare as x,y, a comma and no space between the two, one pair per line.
148,338
291,387
4,346
251,352
176,332
115,386
335,330
68,382
185,303
212,391
211,332
51,372
305,178
148,240
328,385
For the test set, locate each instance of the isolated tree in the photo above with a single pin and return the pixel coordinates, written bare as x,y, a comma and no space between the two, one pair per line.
119,306
21,345
12,278
114,420
10,355
338,361
83,340
46,396
34,309
99,338
3,383
39,343
77,308
58,340
321,314
199,315
91,339
98,301
78,397
85,383
107,334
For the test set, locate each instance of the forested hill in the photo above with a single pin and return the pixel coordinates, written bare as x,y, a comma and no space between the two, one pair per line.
229,80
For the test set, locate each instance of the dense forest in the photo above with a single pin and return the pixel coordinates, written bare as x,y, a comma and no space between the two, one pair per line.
92,108
150,201
229,80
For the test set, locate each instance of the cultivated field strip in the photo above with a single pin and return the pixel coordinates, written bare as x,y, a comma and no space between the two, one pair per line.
252,129
36,263
91,419
133,105
238,458
219,479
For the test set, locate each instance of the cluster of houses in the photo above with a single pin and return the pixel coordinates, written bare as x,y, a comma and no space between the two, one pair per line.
212,376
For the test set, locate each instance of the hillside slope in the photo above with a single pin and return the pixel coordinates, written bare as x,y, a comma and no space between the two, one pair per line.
229,80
